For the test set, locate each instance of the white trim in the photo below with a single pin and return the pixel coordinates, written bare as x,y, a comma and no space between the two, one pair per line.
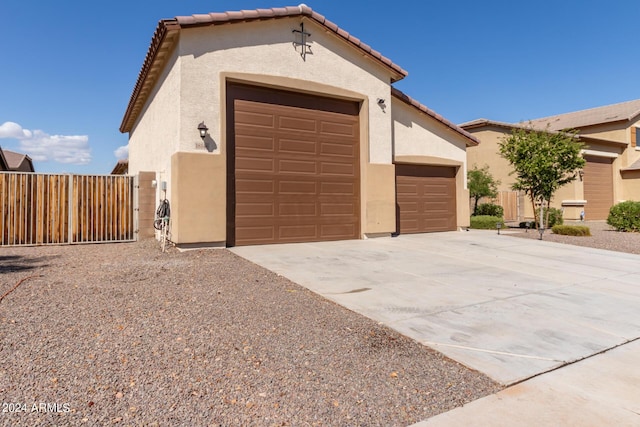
597,153
574,202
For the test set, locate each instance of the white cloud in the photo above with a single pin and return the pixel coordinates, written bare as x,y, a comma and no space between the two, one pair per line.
42,147
122,153
13,130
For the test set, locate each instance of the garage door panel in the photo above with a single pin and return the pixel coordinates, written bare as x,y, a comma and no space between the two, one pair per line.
334,128
296,146
255,165
257,142
336,149
297,232
334,231
598,187
338,169
304,167
309,155
297,187
407,189
297,124
297,209
425,198
254,186
258,234
255,209
338,189
337,209
254,119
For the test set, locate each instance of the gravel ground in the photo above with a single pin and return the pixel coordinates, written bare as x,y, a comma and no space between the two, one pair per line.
602,236
122,334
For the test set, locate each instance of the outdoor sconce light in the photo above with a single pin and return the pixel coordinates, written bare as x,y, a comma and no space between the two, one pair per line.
498,226
203,129
581,174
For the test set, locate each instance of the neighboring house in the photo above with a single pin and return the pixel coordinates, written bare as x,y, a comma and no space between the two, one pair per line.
121,168
305,139
612,171
15,162
4,166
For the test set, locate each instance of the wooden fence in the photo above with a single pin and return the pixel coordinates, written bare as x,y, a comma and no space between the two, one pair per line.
42,209
509,202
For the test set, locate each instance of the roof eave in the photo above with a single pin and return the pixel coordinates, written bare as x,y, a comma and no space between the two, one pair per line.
161,43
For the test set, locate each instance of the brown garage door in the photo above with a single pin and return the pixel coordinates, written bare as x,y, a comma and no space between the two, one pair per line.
426,198
598,187
294,171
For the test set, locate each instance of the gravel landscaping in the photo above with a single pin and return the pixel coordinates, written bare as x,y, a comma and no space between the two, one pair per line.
122,334
602,236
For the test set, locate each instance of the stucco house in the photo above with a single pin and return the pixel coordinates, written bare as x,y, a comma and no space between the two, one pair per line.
15,162
612,171
304,138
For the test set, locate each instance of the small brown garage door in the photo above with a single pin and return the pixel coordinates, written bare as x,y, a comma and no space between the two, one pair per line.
294,171
426,198
598,187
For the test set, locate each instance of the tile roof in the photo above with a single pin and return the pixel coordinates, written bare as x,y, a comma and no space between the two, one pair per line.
486,122
624,111
167,31
15,160
472,140
121,168
479,123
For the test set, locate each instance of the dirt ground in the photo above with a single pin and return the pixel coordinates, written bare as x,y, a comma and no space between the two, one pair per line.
123,334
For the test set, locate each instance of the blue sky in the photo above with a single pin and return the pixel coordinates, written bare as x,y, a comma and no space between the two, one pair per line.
68,68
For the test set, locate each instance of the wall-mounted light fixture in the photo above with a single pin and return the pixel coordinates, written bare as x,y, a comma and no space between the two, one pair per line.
380,101
202,128
581,173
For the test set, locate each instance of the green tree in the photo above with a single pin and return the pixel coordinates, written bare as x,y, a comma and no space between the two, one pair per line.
543,161
481,184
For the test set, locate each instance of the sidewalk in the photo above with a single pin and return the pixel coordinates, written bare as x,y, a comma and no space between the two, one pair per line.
603,390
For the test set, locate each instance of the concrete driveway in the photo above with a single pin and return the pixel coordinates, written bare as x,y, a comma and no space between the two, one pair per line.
511,308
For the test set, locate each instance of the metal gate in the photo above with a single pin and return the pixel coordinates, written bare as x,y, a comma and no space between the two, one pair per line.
45,209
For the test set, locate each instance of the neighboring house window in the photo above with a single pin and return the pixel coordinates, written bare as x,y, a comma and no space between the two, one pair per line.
635,138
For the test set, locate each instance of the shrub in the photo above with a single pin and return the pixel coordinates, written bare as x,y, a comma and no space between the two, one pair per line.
490,209
625,216
486,222
571,230
555,217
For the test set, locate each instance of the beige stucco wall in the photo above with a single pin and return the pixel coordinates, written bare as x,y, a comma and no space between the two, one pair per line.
420,139
380,199
609,131
198,198
155,134
266,48
487,153
631,184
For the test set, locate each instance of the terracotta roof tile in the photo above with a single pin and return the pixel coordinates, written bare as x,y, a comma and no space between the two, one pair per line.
426,110
162,41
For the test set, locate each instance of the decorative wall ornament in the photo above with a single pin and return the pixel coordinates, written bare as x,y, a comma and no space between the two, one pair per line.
304,46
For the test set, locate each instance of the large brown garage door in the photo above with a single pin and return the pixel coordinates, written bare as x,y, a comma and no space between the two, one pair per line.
294,172
598,187
426,198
